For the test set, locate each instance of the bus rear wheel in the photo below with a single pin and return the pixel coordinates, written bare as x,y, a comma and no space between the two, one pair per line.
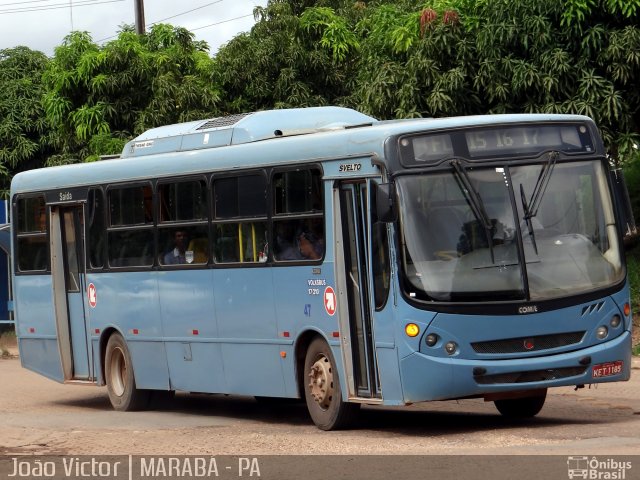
121,384
322,390
525,407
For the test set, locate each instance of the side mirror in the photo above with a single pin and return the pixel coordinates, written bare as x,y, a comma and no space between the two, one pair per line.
628,223
384,202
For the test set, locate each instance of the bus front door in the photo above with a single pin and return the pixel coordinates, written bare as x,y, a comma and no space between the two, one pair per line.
353,245
67,271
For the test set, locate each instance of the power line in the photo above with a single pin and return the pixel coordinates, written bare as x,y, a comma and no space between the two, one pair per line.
193,29
37,8
188,11
223,21
86,3
22,3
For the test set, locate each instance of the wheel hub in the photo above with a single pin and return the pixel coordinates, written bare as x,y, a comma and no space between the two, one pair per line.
321,382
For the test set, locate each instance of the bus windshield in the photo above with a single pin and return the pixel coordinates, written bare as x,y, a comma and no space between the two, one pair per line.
461,230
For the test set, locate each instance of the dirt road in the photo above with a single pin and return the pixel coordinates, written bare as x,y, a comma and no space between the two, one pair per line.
40,416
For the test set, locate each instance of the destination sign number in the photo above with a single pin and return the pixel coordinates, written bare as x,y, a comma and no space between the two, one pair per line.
510,141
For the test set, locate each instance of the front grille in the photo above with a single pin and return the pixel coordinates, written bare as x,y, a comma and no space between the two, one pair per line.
534,344
531,376
223,121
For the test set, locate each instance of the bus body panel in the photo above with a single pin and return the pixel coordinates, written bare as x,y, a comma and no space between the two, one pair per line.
190,328
36,326
41,355
149,363
580,320
128,302
390,381
299,299
247,328
430,378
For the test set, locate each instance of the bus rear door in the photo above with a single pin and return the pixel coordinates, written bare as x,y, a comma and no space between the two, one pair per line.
355,296
68,276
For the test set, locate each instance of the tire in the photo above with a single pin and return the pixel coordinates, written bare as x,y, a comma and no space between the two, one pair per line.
121,383
526,407
322,390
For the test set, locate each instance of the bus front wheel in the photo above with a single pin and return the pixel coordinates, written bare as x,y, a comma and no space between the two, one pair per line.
322,389
525,407
121,384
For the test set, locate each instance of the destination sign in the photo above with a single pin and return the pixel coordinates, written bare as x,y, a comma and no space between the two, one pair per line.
481,143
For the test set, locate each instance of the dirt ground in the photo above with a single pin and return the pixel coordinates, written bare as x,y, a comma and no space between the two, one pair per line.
43,417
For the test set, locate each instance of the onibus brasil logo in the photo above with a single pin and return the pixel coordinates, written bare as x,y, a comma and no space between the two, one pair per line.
592,468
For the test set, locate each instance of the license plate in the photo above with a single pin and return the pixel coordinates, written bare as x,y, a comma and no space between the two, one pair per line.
607,369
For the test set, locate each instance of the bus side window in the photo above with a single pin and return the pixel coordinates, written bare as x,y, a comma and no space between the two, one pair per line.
95,222
130,232
183,232
381,264
298,227
32,254
240,219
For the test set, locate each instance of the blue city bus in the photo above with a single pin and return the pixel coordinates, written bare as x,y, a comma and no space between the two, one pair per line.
324,255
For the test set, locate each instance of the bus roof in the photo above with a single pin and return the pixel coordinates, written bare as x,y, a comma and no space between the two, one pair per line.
255,140
243,128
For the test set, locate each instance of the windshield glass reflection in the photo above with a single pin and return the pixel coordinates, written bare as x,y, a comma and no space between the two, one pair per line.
459,233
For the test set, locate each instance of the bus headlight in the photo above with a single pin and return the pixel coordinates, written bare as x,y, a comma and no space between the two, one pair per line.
431,339
451,347
602,332
615,321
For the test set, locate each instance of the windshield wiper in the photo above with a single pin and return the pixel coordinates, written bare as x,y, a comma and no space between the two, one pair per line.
541,184
531,207
475,202
527,218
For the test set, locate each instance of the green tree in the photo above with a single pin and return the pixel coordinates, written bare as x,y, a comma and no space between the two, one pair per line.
577,56
23,128
98,97
288,60
415,63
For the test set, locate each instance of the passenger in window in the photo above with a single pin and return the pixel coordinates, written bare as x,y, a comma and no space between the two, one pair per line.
179,255
42,219
286,249
310,246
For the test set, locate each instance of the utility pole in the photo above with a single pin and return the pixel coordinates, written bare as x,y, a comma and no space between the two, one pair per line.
140,25
71,13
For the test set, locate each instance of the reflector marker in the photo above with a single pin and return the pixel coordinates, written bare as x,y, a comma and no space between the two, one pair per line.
195,332
336,334
286,334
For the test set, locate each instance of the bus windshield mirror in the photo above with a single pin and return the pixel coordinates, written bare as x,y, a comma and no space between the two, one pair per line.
475,202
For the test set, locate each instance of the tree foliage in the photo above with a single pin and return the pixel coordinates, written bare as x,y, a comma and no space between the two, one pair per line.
98,97
288,60
23,129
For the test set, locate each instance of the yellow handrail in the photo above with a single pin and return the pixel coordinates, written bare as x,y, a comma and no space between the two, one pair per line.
253,238
240,242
